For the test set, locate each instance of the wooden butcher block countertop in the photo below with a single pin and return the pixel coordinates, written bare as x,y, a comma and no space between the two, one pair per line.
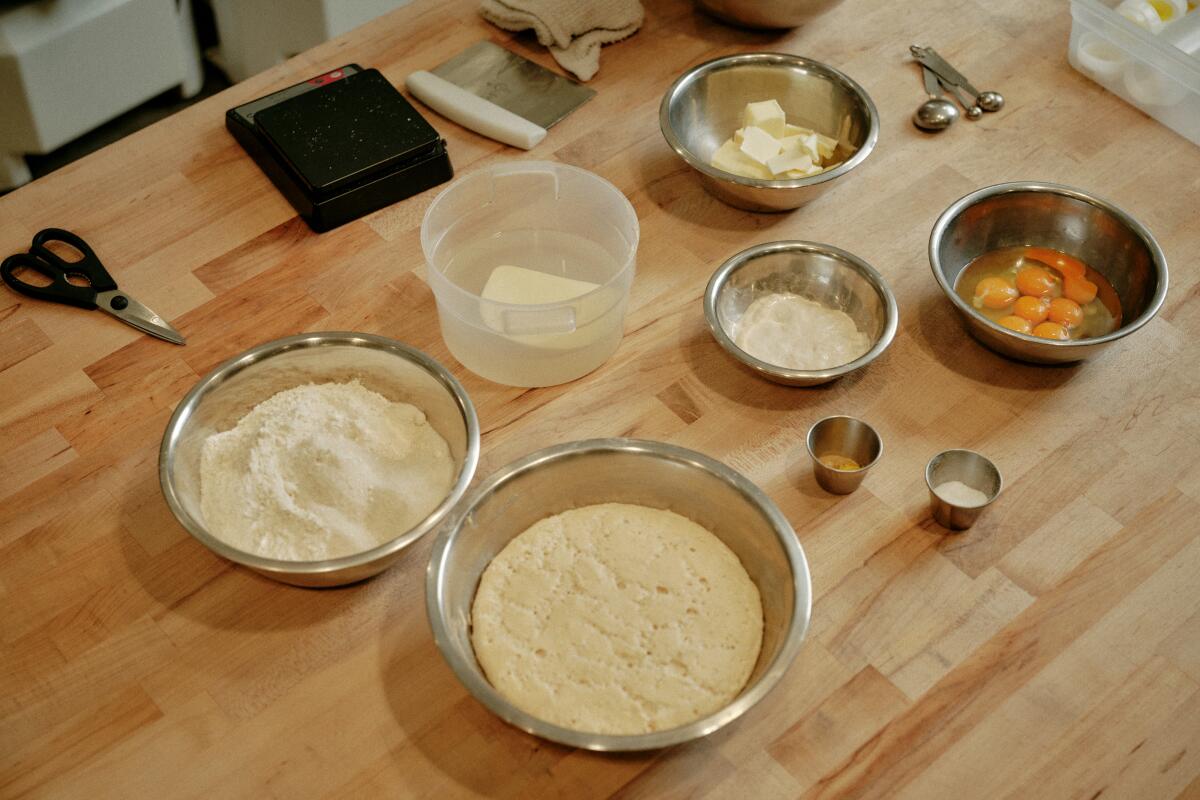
1051,651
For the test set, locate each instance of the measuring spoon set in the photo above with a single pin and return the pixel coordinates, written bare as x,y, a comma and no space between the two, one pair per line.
937,113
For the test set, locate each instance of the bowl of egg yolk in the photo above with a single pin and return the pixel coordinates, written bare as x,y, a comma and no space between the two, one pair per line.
1045,273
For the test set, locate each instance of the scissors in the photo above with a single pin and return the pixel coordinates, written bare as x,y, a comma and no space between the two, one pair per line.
100,290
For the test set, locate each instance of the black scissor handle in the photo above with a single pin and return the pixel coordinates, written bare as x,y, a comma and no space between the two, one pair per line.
88,265
59,290
44,261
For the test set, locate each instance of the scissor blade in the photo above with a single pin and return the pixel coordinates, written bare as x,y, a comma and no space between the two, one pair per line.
137,315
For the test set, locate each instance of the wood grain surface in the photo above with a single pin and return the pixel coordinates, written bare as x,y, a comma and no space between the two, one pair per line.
1051,651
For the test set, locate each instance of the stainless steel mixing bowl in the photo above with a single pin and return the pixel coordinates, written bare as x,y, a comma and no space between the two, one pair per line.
1106,238
703,108
226,394
819,272
767,13
627,471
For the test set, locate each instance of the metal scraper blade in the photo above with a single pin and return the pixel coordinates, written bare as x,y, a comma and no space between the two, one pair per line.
514,83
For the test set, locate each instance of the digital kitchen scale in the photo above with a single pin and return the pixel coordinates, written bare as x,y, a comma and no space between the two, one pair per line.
341,145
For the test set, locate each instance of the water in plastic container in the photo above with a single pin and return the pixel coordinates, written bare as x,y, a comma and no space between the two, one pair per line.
541,217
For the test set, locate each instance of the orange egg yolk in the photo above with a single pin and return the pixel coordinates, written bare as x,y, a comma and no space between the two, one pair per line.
1079,289
1062,262
995,293
1033,309
1036,282
1018,324
1065,312
1051,330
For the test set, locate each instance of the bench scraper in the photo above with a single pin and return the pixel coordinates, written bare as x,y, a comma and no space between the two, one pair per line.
499,94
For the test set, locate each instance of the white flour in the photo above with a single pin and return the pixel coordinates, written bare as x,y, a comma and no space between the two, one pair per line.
321,471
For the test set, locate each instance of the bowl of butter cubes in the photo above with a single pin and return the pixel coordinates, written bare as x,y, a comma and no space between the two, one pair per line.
768,131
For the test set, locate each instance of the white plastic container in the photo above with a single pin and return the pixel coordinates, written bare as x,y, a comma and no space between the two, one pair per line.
541,216
1152,72
1153,15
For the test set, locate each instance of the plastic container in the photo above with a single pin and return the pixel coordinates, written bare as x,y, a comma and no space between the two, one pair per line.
1153,72
541,216
1153,15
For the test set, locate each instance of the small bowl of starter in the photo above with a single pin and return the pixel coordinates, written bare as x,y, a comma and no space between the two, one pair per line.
316,459
800,313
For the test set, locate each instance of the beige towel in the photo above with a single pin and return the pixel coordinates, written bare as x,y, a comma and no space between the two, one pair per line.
574,30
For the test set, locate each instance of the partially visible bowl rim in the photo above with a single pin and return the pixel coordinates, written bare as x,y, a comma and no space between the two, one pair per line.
1157,257
260,352
724,62
484,692
734,262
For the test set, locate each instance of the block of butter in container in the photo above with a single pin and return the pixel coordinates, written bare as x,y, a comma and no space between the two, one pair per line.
518,286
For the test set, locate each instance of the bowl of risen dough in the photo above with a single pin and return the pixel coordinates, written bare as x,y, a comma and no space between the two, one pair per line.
618,594
316,459
800,313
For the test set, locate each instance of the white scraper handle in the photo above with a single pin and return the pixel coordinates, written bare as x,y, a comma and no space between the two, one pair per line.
472,111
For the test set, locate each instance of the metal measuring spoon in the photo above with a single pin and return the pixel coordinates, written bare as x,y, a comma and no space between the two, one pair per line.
985,101
937,113
970,109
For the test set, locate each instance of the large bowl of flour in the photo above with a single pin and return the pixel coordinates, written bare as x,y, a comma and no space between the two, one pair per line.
317,459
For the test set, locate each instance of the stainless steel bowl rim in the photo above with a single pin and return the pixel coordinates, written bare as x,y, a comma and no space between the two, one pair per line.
726,62
999,474
809,437
717,281
1019,187
247,359
483,691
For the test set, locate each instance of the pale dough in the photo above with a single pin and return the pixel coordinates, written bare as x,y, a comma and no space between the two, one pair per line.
617,619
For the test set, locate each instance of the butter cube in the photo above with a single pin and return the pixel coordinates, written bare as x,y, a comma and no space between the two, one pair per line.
767,115
811,145
759,145
782,163
805,173
802,144
791,145
730,158
826,146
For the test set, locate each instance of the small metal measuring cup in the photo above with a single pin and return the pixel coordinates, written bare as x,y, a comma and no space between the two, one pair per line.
848,437
970,468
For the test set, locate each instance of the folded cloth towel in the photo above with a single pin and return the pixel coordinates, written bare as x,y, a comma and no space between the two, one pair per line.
574,30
